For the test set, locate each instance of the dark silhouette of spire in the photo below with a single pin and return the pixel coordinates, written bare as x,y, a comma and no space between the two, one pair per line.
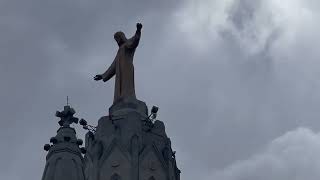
64,160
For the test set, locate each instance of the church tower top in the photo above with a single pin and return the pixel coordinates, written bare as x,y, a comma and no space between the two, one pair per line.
64,158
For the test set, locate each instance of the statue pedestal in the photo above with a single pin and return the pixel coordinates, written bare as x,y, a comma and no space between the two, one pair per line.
130,146
127,105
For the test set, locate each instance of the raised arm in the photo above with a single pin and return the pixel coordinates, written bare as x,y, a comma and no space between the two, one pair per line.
134,41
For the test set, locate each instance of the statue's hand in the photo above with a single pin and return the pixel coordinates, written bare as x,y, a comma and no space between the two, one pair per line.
139,26
98,77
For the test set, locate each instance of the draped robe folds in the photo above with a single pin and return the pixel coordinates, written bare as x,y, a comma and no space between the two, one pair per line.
122,68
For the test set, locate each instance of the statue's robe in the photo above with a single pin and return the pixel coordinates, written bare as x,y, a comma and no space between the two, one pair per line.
122,67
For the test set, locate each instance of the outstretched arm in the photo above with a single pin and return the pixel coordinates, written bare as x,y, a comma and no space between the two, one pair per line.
134,41
108,74
111,71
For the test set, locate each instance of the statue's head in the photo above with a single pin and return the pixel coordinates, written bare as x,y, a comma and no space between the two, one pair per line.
120,37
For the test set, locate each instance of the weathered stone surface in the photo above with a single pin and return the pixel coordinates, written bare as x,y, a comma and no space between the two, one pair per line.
127,145
127,105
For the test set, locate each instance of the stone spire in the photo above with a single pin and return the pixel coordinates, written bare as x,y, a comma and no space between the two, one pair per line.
64,160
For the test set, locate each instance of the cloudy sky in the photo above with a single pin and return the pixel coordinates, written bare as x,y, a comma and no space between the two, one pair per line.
237,81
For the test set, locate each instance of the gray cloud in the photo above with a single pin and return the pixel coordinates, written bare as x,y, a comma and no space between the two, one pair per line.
255,92
229,76
291,156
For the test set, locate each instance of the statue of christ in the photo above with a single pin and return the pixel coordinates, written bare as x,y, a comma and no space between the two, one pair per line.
122,65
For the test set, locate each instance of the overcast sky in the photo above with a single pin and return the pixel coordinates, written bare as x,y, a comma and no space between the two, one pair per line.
237,81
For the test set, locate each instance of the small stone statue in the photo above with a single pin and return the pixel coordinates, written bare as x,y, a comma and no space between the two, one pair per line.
122,66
